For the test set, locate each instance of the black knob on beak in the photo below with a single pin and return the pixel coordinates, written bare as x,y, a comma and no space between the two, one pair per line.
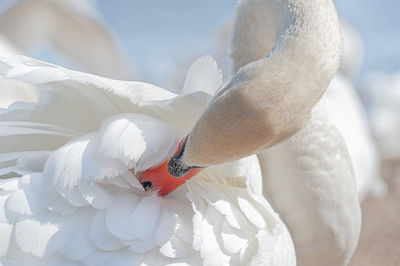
175,165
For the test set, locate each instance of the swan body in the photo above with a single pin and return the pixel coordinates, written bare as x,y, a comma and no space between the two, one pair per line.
347,113
81,159
64,24
309,180
273,98
69,193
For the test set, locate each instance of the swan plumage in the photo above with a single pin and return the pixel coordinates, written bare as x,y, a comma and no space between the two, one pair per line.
341,99
308,177
320,204
225,203
69,194
274,89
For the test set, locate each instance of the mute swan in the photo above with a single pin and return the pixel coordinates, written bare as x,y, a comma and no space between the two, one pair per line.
65,24
68,195
312,167
343,104
63,170
309,178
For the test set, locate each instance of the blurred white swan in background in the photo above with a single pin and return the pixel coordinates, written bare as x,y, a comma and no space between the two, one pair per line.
384,92
73,27
353,51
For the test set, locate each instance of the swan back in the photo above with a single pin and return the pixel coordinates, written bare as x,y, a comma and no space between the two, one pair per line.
309,180
347,112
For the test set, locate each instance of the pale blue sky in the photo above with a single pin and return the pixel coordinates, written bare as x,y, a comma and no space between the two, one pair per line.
157,32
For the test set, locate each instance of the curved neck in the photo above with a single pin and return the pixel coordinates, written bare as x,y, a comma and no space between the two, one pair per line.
298,37
270,98
311,43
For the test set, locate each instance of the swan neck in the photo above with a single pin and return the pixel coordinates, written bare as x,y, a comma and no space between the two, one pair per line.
270,98
310,42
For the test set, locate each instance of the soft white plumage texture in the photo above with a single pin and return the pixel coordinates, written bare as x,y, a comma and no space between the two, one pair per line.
70,198
319,203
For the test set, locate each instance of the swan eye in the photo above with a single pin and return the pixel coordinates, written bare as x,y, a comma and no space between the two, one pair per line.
160,178
147,185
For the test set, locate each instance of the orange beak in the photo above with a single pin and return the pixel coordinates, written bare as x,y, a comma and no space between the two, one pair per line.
160,180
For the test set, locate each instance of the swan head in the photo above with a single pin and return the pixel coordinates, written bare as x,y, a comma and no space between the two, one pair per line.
170,174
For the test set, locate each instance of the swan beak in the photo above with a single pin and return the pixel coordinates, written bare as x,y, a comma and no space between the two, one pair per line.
170,175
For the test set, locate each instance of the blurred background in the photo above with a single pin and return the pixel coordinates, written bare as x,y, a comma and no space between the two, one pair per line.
157,40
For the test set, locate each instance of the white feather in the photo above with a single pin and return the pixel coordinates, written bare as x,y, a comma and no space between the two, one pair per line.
42,235
100,234
123,257
166,227
79,244
127,138
176,248
141,247
251,213
9,185
63,169
74,197
203,75
84,204
6,233
23,203
118,216
97,196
